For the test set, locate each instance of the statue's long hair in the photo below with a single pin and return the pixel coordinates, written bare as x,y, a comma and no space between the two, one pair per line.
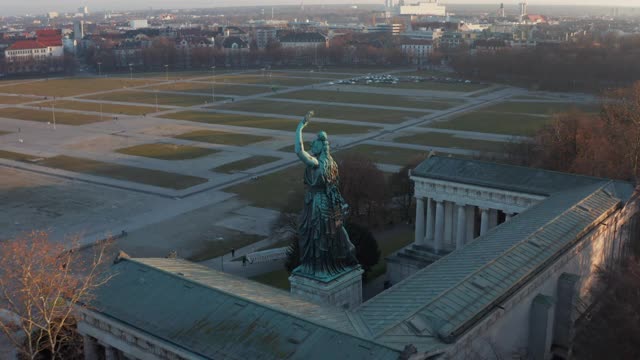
325,160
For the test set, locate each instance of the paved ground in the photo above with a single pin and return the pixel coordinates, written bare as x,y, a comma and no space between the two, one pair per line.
190,221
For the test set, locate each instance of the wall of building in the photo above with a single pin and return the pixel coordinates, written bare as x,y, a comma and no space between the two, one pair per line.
505,332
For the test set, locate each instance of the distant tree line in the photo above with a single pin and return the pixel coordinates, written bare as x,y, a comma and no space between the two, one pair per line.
588,63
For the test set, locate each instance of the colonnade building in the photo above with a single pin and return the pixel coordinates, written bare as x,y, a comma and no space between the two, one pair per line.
502,256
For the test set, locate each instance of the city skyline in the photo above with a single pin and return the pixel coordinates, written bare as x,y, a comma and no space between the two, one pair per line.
37,7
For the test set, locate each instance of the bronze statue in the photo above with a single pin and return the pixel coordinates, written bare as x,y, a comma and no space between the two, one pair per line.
325,248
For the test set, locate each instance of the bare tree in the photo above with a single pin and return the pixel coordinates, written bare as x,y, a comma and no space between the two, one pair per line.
41,283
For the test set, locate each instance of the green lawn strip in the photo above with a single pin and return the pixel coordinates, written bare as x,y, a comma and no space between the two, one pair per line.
75,86
266,122
325,111
383,154
10,155
47,116
369,99
245,164
4,132
277,278
106,107
10,100
542,108
221,137
495,123
388,243
434,85
150,98
206,88
121,172
307,73
272,191
268,80
165,151
488,91
214,249
451,141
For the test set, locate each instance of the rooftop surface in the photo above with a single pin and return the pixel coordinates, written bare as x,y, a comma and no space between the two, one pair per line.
215,315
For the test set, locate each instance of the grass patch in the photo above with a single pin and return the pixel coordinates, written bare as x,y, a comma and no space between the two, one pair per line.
496,123
121,172
383,154
10,100
221,137
265,122
245,164
73,86
268,80
488,91
150,98
273,191
543,108
369,99
4,132
389,242
278,279
10,155
214,249
325,111
164,151
106,108
433,85
451,141
206,88
65,118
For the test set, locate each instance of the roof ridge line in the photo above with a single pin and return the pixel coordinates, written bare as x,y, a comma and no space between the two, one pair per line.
387,328
136,261
524,167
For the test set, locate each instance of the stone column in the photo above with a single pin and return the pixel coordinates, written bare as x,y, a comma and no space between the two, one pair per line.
419,220
471,223
484,221
90,348
439,227
462,223
448,222
493,218
110,353
428,237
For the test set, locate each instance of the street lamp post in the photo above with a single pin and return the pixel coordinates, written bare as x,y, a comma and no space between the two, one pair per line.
131,71
166,69
53,112
99,69
213,84
156,100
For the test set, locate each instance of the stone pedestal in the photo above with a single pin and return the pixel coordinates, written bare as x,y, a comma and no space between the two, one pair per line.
343,291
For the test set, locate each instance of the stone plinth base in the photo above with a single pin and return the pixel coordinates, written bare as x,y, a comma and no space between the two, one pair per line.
344,291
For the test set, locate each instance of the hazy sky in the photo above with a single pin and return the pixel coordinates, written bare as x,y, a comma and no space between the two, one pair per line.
9,7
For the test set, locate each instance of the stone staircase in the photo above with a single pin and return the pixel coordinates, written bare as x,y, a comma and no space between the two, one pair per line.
419,255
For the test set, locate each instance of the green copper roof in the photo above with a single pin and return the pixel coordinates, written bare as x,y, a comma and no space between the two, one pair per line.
438,303
218,316
507,177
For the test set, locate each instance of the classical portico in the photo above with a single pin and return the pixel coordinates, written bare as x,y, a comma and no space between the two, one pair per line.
450,214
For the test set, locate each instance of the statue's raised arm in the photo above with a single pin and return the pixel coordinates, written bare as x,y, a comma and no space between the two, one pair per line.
304,156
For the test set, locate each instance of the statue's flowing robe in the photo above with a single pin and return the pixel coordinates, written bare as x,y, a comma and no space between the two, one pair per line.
325,248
